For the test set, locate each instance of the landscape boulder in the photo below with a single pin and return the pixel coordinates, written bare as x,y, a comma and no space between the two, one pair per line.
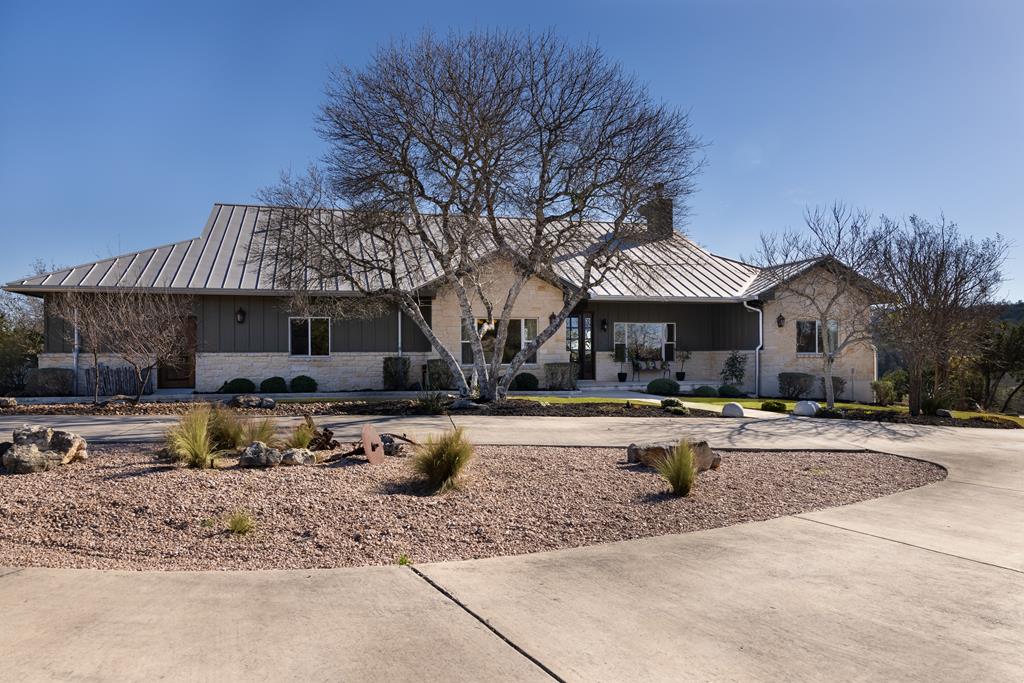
298,456
943,412
259,454
8,402
465,404
67,446
732,410
806,408
28,459
704,458
252,401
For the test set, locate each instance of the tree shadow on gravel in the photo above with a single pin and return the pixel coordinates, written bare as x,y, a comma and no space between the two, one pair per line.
405,487
140,471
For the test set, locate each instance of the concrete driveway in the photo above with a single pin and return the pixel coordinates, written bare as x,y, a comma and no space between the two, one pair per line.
923,585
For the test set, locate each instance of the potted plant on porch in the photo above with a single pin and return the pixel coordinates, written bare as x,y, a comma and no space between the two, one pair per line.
682,355
621,360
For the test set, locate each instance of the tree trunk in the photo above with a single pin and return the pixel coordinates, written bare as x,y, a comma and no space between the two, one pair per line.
915,382
411,308
830,393
96,377
1009,399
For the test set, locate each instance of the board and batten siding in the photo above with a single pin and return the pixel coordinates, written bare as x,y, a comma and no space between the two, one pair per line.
699,326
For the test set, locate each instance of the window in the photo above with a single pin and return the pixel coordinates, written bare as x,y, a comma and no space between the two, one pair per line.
644,342
521,331
309,336
809,338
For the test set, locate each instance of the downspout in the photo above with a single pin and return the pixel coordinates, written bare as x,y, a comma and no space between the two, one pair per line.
760,345
74,352
399,331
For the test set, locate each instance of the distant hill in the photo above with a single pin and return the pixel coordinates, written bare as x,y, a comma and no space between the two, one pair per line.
1014,313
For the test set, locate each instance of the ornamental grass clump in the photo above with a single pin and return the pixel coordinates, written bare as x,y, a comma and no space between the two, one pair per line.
226,429
241,523
301,436
189,441
260,430
678,469
441,459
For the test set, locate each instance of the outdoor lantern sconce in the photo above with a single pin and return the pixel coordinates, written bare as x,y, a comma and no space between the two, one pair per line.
240,315
781,320
604,324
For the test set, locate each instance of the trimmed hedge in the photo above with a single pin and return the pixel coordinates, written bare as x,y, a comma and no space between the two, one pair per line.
838,386
396,373
238,385
49,381
663,386
524,381
706,391
274,385
729,391
303,384
885,392
795,385
671,403
829,413
774,406
678,410
560,376
439,376
932,404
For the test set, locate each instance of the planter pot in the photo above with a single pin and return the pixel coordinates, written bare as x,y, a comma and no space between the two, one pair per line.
680,376
622,377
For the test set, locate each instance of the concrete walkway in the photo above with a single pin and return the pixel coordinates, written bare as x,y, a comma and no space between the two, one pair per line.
927,584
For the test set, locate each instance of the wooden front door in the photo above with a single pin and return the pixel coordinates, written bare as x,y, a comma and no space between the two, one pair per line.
181,374
579,342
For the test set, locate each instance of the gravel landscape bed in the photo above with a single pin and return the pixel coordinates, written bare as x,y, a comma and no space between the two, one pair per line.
127,509
896,417
356,407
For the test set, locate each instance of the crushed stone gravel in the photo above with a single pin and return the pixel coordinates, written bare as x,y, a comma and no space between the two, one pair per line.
127,509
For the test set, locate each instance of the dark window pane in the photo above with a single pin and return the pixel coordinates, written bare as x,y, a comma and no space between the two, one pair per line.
299,329
805,336
620,353
670,352
321,336
833,336
467,353
514,340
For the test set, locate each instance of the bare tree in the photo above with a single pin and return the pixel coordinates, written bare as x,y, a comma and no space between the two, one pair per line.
144,329
435,140
824,271
941,287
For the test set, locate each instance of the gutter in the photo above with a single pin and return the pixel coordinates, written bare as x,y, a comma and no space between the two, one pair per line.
760,346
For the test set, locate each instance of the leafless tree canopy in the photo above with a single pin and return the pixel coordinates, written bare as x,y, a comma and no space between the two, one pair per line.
941,287
437,139
838,290
143,329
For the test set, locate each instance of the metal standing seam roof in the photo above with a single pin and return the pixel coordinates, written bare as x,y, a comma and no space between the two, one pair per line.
229,257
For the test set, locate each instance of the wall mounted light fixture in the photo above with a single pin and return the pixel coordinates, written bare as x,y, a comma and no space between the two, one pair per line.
240,315
781,320
604,324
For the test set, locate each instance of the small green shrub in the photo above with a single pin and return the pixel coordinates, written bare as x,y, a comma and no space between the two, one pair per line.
396,373
900,382
734,369
670,402
795,385
303,384
525,381
404,560
774,406
431,403
189,441
678,410
49,381
241,523
831,413
931,405
838,386
560,376
302,435
729,391
238,385
678,469
439,375
884,391
441,459
260,430
274,385
705,391
663,386
226,429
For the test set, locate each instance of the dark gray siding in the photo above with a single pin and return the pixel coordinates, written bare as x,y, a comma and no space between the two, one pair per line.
56,333
699,327
266,328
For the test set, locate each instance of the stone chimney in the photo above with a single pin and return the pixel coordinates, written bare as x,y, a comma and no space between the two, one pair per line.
658,214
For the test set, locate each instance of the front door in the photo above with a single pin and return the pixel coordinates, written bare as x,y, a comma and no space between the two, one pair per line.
181,374
579,342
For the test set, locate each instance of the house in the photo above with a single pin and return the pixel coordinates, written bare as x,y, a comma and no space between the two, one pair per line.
691,300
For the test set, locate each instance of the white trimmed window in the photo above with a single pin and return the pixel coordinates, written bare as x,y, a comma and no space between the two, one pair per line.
521,331
809,337
644,342
309,336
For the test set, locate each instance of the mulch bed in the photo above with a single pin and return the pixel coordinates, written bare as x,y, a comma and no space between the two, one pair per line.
355,407
126,508
897,417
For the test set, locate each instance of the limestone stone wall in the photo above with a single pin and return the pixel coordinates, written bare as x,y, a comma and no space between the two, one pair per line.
703,366
336,372
538,299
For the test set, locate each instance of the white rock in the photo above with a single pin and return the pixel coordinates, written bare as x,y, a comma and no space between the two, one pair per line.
806,408
732,410
298,456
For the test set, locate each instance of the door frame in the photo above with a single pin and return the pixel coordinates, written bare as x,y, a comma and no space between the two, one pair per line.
586,370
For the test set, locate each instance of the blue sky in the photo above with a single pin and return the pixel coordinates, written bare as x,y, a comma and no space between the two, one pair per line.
121,123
